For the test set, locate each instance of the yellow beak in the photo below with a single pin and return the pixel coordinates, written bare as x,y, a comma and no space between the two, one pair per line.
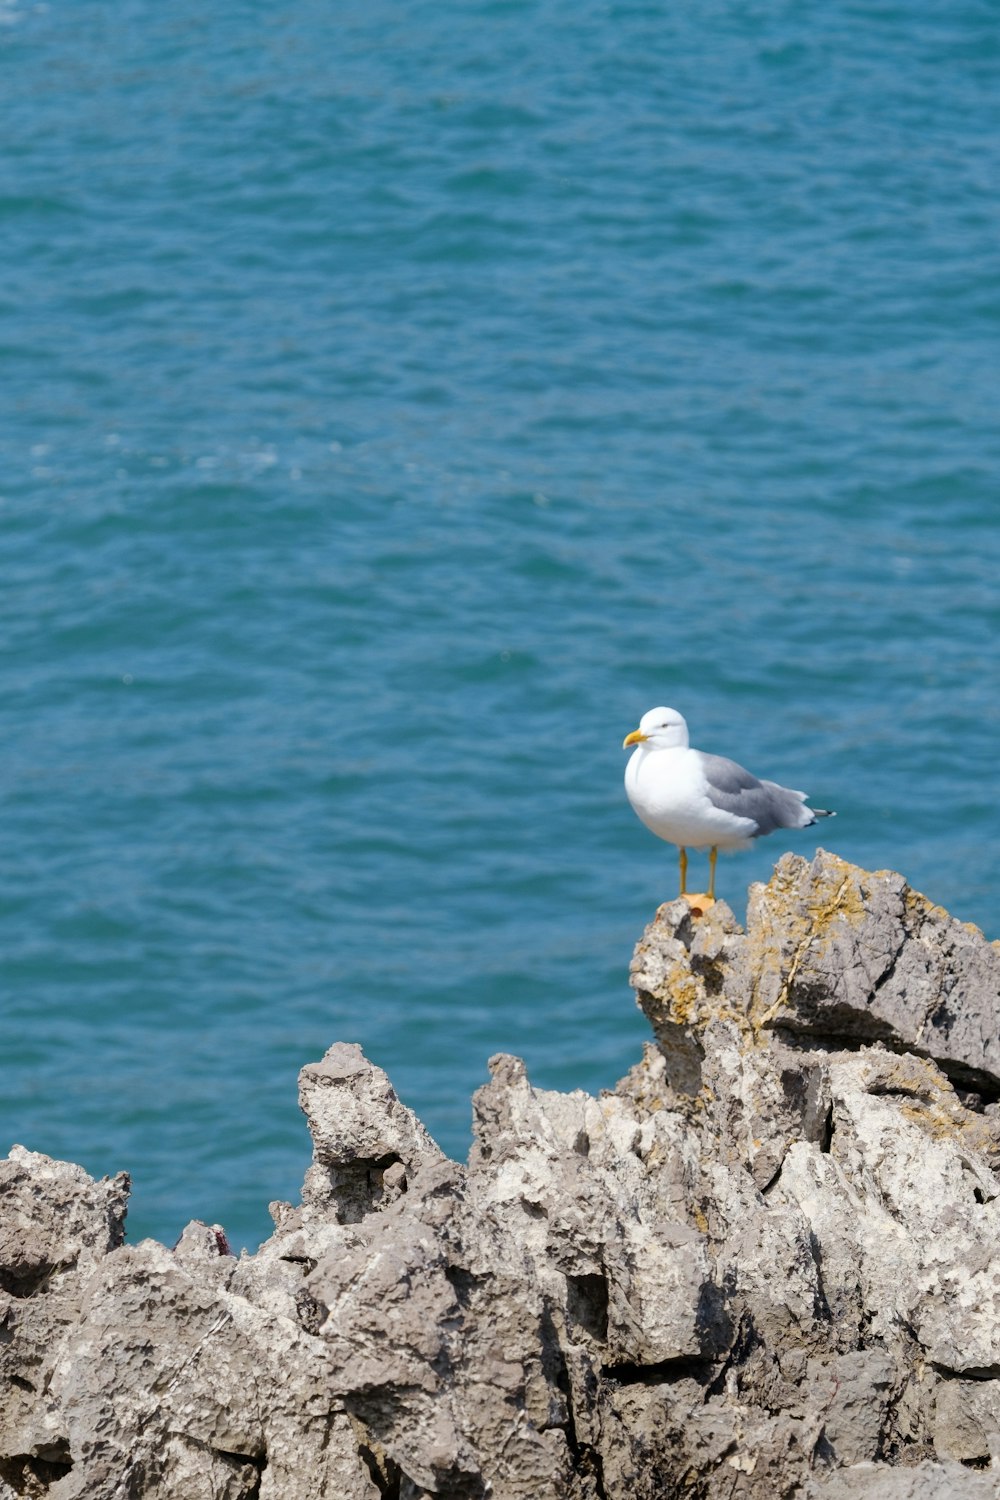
635,738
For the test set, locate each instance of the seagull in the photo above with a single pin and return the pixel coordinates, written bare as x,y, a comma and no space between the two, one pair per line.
701,801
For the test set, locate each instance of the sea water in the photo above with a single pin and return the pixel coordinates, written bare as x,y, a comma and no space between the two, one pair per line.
398,401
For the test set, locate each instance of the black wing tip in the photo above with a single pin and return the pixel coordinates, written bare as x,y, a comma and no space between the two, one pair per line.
822,812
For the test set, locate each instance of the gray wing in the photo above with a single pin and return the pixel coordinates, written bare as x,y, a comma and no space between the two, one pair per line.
734,790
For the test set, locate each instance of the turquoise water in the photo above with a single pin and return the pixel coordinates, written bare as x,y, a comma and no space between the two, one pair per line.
398,402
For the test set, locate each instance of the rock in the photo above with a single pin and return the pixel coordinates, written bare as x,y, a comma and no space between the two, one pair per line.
364,1140
764,1265
926,1481
967,1421
837,951
53,1218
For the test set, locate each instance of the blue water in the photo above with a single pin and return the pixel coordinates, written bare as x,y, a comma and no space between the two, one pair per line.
397,402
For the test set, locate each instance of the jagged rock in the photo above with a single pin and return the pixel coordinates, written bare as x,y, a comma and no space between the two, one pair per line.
764,1266
840,952
53,1217
364,1140
927,1481
571,1175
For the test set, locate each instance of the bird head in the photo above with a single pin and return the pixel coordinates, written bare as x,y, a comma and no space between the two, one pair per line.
660,729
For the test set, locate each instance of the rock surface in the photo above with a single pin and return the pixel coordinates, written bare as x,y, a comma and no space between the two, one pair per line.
766,1265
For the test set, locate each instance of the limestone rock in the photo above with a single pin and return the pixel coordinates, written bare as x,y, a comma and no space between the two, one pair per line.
364,1139
765,1265
53,1217
967,1421
838,951
926,1481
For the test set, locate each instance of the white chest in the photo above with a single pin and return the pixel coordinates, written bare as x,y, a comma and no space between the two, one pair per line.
664,784
668,791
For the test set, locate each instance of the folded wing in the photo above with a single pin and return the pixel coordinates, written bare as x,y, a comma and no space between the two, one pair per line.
732,789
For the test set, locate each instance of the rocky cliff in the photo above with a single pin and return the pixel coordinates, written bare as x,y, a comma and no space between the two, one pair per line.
766,1265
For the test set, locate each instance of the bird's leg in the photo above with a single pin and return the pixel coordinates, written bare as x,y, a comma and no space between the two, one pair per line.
699,904
712,857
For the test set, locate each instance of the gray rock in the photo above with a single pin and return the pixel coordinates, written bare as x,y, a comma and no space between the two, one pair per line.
364,1140
967,1421
764,1265
53,1218
838,951
927,1481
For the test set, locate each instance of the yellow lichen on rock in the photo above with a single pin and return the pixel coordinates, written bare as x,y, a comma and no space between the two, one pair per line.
685,995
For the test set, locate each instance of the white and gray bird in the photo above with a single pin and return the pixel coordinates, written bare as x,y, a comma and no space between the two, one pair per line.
700,801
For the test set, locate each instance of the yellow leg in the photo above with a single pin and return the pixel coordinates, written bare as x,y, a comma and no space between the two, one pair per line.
684,871
713,856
